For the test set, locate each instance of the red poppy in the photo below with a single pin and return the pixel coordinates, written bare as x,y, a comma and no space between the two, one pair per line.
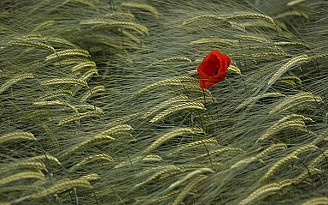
213,69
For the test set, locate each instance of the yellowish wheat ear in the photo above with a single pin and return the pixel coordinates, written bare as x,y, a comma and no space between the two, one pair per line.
234,69
44,25
219,151
291,81
91,159
242,16
131,37
131,161
88,74
60,41
104,136
172,59
141,6
170,135
201,17
22,175
282,162
316,161
55,94
297,101
79,116
253,38
179,81
264,153
298,60
94,140
188,177
33,44
270,149
103,23
171,169
291,122
24,164
44,159
73,81
61,187
188,187
55,103
71,61
153,110
250,101
84,3
68,53
316,201
92,91
212,40
264,191
193,144
294,2
86,64
119,129
313,166
15,136
14,80
176,108
164,198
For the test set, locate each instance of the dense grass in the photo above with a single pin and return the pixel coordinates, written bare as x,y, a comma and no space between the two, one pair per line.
100,102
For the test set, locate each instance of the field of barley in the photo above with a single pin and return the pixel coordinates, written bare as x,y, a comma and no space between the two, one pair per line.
100,102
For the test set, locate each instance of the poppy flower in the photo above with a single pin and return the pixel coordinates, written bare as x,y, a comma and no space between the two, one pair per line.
213,68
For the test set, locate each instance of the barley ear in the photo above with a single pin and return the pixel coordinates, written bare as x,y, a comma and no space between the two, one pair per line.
316,201
292,62
22,175
60,187
264,191
170,135
183,194
184,106
14,136
141,6
14,80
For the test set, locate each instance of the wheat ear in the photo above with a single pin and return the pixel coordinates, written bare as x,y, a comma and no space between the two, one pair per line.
170,135
14,80
197,18
62,186
68,52
182,195
189,176
316,201
56,81
193,144
283,125
264,191
295,101
176,108
95,140
79,116
141,6
294,155
212,40
298,60
23,164
22,175
14,136
294,2
92,91
91,159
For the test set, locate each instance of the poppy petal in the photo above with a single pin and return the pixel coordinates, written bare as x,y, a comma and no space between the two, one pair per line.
213,68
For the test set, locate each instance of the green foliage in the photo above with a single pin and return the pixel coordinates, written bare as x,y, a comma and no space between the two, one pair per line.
100,102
